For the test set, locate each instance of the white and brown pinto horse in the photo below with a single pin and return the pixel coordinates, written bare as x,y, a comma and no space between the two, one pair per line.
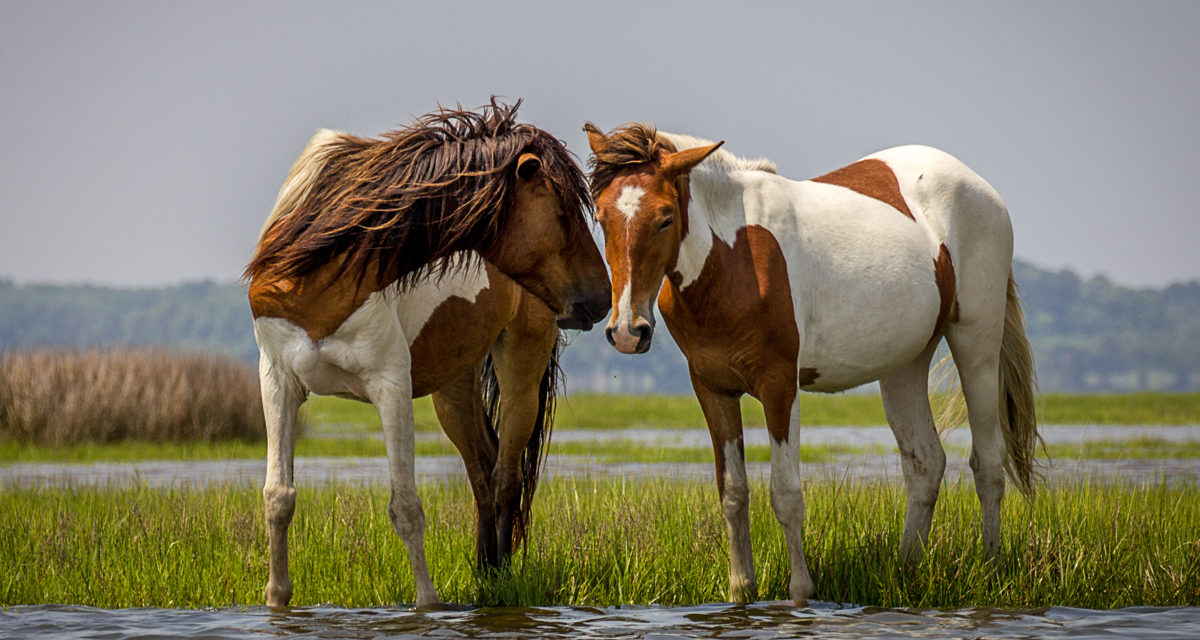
389,269
775,285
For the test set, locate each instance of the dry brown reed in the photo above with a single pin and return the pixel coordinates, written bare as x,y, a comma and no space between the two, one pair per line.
64,396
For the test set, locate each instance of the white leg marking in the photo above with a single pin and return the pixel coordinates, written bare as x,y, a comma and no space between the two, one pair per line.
280,406
391,393
735,502
787,501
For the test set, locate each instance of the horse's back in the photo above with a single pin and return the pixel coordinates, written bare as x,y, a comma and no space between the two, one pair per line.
951,196
873,255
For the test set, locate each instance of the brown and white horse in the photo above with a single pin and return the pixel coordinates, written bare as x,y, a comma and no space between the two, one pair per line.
389,269
775,285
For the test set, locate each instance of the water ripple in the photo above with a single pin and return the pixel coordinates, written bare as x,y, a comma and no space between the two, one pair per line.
762,620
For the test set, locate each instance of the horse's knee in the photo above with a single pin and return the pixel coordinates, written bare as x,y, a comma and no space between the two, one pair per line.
787,500
406,514
735,499
280,503
988,472
507,490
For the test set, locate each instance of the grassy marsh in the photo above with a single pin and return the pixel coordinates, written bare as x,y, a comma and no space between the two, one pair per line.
605,451
612,542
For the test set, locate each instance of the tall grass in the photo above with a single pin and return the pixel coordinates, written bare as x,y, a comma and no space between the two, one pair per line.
601,543
59,396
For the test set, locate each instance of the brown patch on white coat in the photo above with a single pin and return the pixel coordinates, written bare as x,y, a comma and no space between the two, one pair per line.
872,178
943,273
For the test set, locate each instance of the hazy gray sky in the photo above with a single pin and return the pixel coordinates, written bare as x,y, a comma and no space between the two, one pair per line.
144,142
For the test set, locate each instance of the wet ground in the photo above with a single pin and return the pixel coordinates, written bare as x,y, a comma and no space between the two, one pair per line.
763,620
851,466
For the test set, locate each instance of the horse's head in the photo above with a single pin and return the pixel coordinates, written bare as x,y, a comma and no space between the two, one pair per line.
548,248
640,186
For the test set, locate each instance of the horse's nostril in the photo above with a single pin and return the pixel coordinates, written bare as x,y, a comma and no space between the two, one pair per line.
644,332
608,333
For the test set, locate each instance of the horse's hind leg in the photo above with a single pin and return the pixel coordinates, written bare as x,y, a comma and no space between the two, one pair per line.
459,408
976,351
922,459
392,396
281,395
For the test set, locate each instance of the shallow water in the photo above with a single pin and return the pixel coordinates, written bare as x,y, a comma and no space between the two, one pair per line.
763,620
885,466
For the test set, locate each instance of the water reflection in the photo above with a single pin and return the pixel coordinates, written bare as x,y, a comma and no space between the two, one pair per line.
762,620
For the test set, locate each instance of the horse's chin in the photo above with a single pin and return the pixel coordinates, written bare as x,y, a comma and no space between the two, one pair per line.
575,323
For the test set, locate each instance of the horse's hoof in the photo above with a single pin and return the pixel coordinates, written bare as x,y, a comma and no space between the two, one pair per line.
801,596
277,595
744,593
428,603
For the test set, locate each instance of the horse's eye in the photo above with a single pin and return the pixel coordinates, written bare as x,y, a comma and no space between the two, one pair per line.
665,223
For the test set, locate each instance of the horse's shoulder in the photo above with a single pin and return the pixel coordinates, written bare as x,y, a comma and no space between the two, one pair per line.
319,303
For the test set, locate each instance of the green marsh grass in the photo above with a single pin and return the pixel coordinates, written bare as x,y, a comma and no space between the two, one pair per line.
599,411
600,542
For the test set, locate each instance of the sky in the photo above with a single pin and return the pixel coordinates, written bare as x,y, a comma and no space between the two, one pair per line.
144,142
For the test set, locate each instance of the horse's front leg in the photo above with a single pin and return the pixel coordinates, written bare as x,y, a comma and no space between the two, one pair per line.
781,407
521,361
459,408
281,396
391,393
723,413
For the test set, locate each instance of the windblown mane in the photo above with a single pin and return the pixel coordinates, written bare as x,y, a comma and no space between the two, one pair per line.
640,143
442,185
626,146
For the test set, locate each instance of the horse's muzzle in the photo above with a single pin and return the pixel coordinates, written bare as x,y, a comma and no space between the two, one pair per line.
584,315
635,338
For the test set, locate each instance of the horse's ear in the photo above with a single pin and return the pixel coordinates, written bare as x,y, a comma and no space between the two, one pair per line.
681,162
528,165
596,139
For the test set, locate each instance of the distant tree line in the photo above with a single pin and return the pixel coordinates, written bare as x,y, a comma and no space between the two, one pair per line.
1096,335
1087,334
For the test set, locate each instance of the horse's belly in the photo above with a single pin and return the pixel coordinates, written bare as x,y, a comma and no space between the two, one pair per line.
860,332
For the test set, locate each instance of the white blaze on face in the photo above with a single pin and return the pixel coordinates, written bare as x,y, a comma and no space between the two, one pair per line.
623,338
629,201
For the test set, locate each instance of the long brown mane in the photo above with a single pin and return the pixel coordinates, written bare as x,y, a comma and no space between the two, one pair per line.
627,146
442,185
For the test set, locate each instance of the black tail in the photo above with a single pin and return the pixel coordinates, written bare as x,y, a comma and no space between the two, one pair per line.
531,459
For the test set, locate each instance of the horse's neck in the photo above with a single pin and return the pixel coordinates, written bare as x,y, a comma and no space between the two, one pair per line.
715,211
